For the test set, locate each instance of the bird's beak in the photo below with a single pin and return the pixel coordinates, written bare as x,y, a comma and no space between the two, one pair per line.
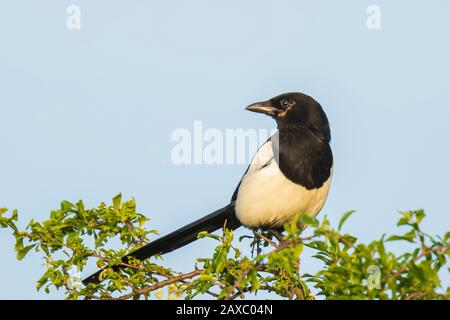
262,107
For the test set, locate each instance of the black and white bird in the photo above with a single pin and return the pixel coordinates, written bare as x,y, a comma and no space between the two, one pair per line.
289,174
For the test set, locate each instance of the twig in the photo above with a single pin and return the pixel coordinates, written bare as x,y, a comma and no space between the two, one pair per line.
260,235
238,294
415,295
423,254
161,284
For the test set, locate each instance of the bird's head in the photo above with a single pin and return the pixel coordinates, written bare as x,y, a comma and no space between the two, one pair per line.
295,109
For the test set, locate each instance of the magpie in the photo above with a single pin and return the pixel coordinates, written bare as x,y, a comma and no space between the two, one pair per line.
289,174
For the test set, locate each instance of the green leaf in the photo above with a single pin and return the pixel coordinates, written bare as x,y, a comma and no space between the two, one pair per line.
116,201
206,234
67,206
23,252
220,261
420,214
406,237
344,218
305,219
447,236
403,221
15,215
349,238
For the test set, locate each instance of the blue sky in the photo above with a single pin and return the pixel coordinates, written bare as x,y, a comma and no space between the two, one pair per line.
86,114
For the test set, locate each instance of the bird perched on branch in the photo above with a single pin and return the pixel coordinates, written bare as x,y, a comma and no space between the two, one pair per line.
289,174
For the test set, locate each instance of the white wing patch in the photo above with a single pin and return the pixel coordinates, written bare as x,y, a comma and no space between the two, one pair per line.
267,197
261,160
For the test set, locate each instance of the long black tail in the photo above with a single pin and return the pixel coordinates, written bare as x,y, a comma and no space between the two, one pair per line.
179,238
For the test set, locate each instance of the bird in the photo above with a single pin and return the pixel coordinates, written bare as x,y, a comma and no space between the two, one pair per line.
289,174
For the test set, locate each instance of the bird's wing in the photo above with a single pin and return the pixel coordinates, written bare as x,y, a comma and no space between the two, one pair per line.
263,156
267,198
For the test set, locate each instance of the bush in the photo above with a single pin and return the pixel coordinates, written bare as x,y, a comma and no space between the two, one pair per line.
352,270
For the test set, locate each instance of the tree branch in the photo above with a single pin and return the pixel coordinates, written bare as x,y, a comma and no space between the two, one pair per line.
161,284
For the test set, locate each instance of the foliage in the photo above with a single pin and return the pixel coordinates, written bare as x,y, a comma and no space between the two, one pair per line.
75,236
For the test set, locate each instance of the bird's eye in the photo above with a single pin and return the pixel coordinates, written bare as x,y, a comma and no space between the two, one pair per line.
285,103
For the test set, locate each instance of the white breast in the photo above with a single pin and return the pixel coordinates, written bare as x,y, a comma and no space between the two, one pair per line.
267,197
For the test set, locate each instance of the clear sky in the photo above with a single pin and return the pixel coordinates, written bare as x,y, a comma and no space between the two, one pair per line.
86,114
